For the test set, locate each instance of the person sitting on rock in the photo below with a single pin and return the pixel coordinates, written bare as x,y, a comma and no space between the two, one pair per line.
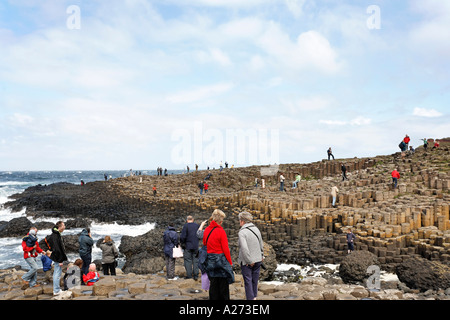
92,276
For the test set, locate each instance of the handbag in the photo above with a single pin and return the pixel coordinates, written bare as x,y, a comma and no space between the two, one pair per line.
177,252
203,254
205,281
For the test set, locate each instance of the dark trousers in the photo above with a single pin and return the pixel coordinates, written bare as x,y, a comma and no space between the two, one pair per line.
190,257
86,262
109,268
251,277
219,289
170,267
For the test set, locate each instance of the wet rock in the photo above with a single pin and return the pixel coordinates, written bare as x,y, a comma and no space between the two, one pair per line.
423,274
17,227
353,268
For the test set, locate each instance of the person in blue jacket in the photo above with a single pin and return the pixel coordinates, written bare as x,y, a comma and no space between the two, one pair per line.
171,240
86,243
47,267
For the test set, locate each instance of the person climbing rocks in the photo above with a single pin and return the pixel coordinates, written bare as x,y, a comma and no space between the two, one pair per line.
395,176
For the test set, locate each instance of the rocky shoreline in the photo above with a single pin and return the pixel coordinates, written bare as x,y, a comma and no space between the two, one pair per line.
405,230
131,286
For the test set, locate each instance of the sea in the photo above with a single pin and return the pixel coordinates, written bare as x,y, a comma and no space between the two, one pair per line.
12,182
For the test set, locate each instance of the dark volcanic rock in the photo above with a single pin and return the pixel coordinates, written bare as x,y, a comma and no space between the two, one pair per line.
423,274
144,263
17,227
353,268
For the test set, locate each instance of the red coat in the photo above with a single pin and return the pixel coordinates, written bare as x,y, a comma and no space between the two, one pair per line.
90,278
218,241
395,174
28,251
406,140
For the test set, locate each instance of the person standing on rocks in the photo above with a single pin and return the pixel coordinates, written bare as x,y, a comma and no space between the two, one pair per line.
425,143
330,153
251,250
86,243
190,240
201,186
282,178
298,177
344,172
406,140
58,254
218,262
350,241
395,176
31,249
109,255
171,240
205,187
334,192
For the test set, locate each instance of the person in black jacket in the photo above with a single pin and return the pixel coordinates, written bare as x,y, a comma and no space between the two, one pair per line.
189,239
58,254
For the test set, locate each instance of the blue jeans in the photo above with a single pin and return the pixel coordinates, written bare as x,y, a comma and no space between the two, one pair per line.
251,277
56,277
31,275
334,201
394,180
281,186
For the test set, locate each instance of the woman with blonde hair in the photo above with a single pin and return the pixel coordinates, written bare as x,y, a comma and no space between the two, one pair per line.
218,262
109,255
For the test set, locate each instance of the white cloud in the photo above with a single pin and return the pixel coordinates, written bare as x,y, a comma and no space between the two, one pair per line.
200,93
358,121
310,51
333,122
295,7
430,35
428,113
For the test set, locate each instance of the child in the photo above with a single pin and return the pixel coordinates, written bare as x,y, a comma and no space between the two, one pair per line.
30,241
154,190
47,267
92,276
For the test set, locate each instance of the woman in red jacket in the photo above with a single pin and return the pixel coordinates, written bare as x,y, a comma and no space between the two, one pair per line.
217,248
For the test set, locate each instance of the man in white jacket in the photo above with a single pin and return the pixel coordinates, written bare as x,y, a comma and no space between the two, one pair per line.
251,250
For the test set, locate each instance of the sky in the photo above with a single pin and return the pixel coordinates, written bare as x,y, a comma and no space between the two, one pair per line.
120,84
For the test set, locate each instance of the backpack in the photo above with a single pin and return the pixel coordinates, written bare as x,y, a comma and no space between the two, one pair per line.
47,241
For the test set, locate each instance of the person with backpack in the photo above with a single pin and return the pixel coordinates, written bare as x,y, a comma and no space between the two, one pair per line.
57,254
251,254
31,249
86,243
